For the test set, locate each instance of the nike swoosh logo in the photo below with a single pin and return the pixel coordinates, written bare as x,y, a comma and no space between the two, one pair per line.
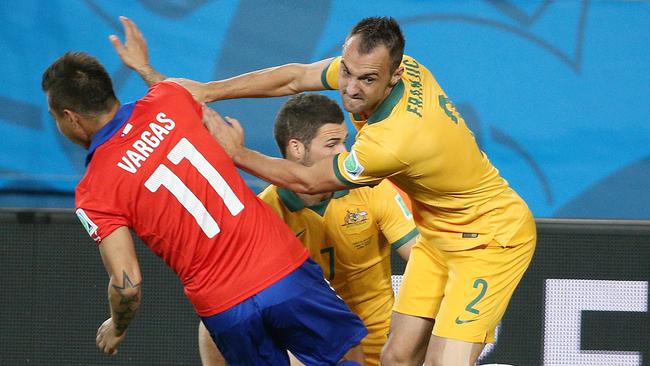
459,321
299,233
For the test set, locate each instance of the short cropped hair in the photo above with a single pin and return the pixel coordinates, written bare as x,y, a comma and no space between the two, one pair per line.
375,31
78,82
301,117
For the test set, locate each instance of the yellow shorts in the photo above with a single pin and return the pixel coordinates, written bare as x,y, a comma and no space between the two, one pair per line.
466,291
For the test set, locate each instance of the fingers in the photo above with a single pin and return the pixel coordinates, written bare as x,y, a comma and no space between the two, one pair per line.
117,44
235,124
211,112
211,116
131,31
127,24
136,32
104,341
105,348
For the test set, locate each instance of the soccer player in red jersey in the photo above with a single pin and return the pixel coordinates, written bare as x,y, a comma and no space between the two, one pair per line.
152,167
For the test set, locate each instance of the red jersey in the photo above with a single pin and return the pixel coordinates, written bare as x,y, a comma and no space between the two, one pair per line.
156,169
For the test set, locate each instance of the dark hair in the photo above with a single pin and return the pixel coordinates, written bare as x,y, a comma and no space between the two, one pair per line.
375,31
78,82
301,117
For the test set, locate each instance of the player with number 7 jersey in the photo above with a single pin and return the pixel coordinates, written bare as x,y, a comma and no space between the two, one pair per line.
153,167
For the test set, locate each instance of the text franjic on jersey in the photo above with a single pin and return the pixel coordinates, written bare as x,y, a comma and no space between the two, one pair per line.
414,101
149,140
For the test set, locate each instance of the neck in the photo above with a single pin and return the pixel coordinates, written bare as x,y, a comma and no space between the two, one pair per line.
313,199
102,119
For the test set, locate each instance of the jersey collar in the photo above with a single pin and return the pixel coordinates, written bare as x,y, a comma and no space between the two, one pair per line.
386,106
123,114
294,203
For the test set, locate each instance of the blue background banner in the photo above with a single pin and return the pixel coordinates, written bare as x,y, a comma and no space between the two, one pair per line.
557,93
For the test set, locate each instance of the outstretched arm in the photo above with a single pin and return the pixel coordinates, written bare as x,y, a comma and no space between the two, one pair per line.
296,177
134,52
118,255
272,82
276,81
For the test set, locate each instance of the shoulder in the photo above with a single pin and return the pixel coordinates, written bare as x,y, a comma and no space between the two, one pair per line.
92,190
329,74
379,144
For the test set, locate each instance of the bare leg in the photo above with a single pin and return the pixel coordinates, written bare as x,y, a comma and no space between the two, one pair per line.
445,351
407,340
210,355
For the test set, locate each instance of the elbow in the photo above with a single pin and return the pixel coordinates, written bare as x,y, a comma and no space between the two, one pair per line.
130,293
130,296
301,179
307,186
296,73
304,189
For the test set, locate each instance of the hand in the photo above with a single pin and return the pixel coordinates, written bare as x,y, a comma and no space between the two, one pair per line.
195,88
134,51
107,339
228,132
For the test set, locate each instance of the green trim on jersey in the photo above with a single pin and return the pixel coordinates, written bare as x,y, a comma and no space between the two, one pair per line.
294,203
405,239
290,199
323,76
388,104
340,176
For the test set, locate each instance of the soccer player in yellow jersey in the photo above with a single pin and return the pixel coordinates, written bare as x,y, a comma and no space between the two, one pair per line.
477,235
349,233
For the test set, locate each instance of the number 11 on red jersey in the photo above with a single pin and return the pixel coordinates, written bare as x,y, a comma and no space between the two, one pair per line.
163,176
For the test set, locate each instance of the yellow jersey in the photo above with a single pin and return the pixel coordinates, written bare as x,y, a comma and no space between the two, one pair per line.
417,139
350,237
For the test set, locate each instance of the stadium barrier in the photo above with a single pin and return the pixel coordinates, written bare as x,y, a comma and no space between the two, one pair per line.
584,300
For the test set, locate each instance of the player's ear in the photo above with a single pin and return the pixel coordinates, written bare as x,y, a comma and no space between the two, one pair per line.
295,150
76,123
397,74
72,119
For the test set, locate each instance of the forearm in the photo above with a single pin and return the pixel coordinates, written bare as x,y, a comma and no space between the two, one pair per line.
271,82
281,172
150,75
124,298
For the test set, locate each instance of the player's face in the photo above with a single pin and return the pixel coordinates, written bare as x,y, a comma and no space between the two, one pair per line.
329,141
365,80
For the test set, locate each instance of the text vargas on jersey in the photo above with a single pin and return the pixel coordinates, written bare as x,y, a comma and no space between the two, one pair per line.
149,140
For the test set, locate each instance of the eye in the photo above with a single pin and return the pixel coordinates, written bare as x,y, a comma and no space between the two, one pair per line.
369,81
